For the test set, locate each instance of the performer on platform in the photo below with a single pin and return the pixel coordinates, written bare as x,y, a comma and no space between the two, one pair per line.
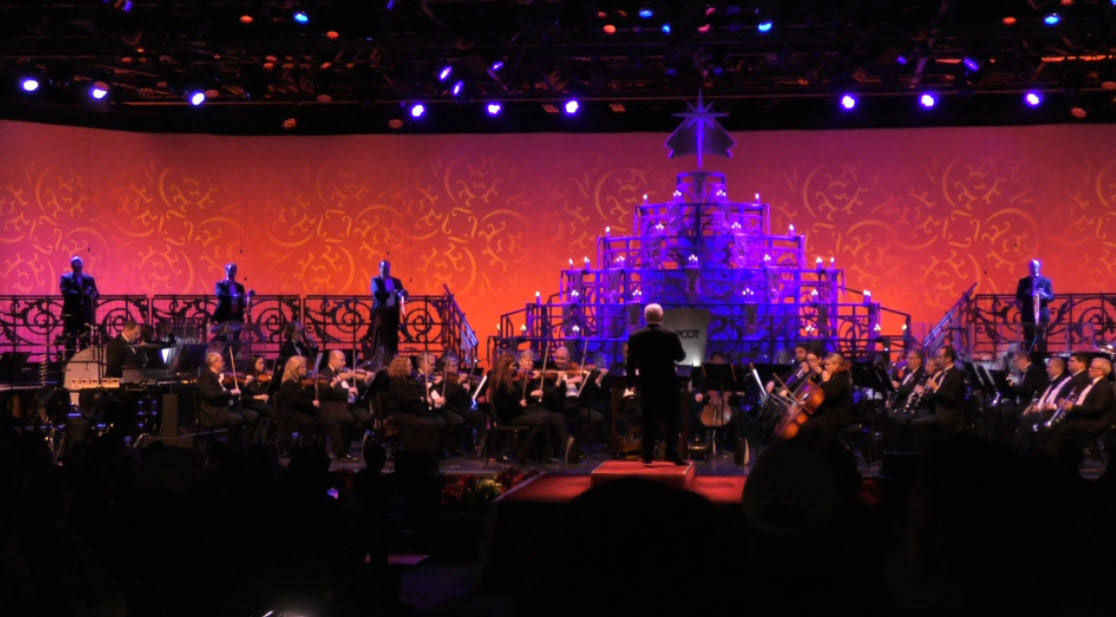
217,402
388,296
1034,294
120,352
79,303
652,353
231,303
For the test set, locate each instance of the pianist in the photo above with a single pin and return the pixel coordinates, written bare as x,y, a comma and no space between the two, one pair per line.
120,352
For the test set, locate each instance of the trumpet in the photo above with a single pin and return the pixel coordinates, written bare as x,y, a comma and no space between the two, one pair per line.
1033,406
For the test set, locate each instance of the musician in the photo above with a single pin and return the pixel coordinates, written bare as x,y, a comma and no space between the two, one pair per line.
388,296
409,409
255,396
79,298
453,436
456,390
1087,415
797,371
337,391
717,406
944,392
231,299
536,389
296,405
295,343
836,409
652,353
120,352
1035,317
1059,386
567,399
216,402
915,375
509,408
1025,383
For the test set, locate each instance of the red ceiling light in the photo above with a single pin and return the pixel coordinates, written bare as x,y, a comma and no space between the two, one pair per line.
246,19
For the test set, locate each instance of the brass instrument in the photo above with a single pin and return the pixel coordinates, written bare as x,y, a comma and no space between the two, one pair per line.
1036,299
1033,406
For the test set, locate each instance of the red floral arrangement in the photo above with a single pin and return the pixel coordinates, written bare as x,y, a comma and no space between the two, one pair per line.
474,493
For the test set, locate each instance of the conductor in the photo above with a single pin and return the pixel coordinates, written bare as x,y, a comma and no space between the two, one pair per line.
652,353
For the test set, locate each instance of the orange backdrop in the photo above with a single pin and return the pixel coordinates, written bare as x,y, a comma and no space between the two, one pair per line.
914,215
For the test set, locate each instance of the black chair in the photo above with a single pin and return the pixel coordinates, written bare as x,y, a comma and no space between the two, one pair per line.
503,434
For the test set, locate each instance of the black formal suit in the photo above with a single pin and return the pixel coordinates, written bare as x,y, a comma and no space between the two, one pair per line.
1025,436
230,301
652,353
1000,421
78,310
213,404
835,411
1034,381
948,400
1082,423
119,354
339,419
1024,292
387,294
907,386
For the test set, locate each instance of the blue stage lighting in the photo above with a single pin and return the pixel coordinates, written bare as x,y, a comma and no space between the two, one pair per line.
764,26
494,109
196,97
572,107
445,73
301,17
972,64
30,84
497,65
1052,19
646,13
1034,99
848,101
666,28
928,100
99,91
458,88
417,110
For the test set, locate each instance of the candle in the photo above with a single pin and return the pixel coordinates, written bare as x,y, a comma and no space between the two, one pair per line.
820,264
538,297
867,297
585,265
608,231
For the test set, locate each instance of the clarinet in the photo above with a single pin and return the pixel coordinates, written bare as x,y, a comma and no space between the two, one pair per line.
915,398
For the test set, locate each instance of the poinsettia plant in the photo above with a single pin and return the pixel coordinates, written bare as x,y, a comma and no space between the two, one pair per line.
474,493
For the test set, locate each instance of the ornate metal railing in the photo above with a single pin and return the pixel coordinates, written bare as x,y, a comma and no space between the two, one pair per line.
1078,322
434,323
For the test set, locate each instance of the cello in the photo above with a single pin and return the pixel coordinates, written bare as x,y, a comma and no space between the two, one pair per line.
806,402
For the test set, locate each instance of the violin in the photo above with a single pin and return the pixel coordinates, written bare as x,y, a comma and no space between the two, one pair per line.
230,380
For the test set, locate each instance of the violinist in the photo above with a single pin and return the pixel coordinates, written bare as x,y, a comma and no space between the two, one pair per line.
567,400
337,391
409,410
297,408
218,404
836,409
457,390
433,383
254,395
509,408
537,386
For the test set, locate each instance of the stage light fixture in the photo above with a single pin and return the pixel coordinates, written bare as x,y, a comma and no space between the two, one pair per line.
196,97
571,107
301,17
765,26
1033,99
648,13
609,29
666,28
445,73
246,19
496,66
1052,19
417,110
30,84
493,109
971,64
848,102
928,100
458,88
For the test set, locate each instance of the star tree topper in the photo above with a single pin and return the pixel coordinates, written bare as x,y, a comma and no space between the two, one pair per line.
700,133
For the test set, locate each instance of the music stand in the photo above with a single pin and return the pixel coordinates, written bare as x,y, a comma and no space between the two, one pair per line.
189,359
868,375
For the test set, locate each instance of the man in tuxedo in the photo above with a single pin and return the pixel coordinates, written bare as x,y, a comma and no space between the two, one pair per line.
215,404
652,353
1031,289
1025,384
388,295
120,352
1059,387
231,302
1087,415
79,297
340,416
946,394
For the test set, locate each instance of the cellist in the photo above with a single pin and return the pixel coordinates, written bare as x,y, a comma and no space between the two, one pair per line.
836,409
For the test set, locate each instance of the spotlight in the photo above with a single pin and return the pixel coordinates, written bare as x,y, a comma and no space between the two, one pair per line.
902,60
496,66
417,110
1052,19
646,13
493,109
971,64
666,28
445,73
30,84
609,29
458,87
764,26
571,107
928,100
848,101
301,17
196,97
1034,99
99,90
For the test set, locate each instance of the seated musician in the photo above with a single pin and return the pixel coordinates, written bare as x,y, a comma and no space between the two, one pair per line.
909,402
457,390
797,370
944,393
409,410
295,343
218,404
254,395
567,399
509,408
1025,383
836,410
536,389
1036,414
453,436
298,410
337,391
717,407
120,352
1087,415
